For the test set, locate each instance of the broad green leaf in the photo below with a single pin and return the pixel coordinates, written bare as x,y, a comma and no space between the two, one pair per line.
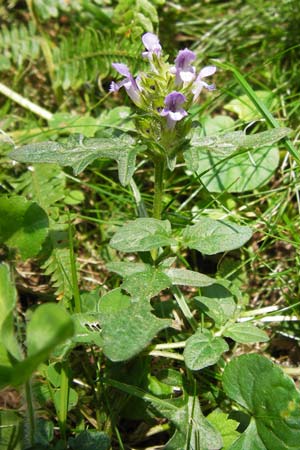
240,173
87,329
203,349
224,144
193,430
226,427
11,430
211,236
188,277
7,293
90,440
218,303
142,235
245,333
23,225
50,325
79,153
271,398
85,125
125,268
128,330
147,284
244,108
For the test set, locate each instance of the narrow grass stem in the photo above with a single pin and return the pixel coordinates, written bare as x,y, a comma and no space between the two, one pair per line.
169,355
159,167
63,400
76,293
30,412
184,307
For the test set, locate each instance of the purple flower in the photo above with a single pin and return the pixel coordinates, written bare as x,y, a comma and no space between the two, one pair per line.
199,83
129,83
173,110
183,70
151,43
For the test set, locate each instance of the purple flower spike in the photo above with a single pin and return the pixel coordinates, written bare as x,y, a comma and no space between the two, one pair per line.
183,70
151,43
172,109
129,83
200,84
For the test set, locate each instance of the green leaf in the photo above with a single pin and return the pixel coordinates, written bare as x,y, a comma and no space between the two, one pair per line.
147,284
244,108
240,173
78,153
188,277
87,329
50,325
23,225
224,144
127,330
225,426
203,349
90,440
125,268
8,293
218,303
194,431
11,430
245,333
86,125
211,236
271,398
142,235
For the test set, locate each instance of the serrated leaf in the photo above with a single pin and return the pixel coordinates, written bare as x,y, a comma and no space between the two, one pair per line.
271,398
245,333
125,268
142,235
214,236
203,349
78,153
188,277
127,330
23,225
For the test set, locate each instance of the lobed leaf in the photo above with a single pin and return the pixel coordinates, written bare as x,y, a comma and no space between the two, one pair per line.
78,153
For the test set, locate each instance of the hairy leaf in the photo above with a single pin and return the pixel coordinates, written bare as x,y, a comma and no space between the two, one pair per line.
211,236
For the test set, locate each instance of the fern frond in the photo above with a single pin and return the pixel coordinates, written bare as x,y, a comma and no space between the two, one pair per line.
43,183
19,43
58,267
88,55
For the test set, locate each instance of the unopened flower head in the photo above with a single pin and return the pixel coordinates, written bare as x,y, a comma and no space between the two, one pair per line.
183,70
173,110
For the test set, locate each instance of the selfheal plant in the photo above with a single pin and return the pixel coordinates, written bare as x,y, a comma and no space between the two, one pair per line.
125,321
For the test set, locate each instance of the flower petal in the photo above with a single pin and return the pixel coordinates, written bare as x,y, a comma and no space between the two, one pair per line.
151,43
207,71
122,69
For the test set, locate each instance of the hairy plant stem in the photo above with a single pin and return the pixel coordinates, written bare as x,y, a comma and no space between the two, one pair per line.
159,168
